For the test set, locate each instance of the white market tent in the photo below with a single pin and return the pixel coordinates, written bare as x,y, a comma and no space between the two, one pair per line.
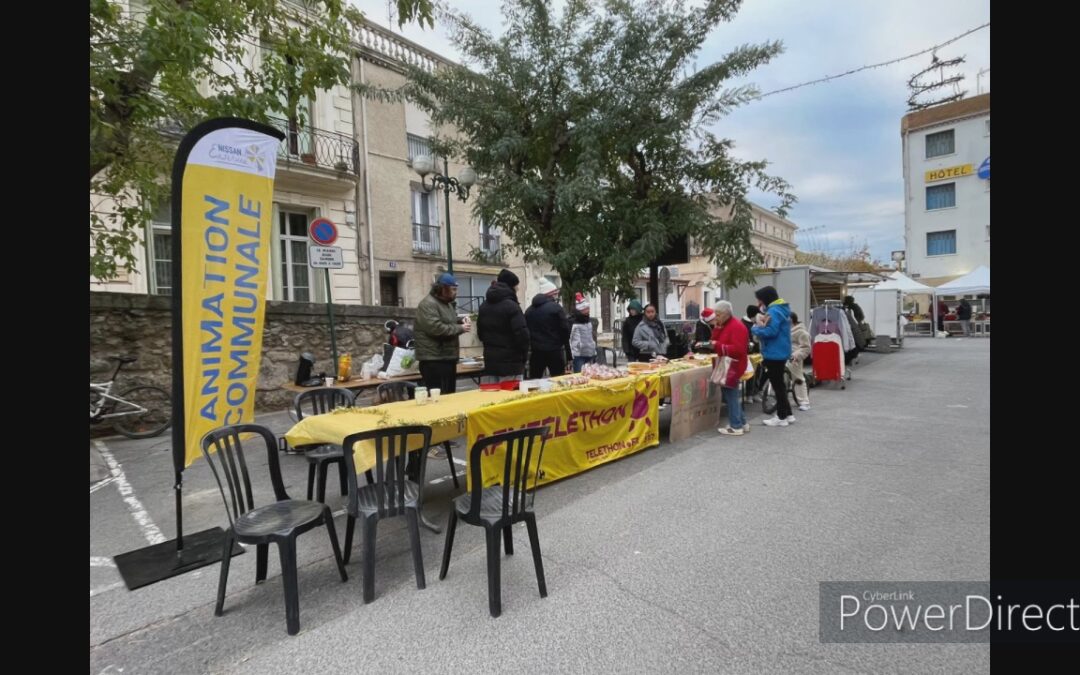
972,283
902,282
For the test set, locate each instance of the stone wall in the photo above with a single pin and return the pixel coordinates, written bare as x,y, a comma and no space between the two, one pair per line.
141,325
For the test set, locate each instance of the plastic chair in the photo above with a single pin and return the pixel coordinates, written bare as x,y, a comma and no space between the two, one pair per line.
607,356
317,402
279,522
391,495
497,508
392,392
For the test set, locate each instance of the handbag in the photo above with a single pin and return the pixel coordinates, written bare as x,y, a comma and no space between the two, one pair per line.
720,370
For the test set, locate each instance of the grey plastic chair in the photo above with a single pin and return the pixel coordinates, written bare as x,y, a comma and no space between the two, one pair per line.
320,457
392,494
279,522
498,507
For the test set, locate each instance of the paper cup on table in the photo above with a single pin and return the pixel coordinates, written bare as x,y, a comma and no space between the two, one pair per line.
329,381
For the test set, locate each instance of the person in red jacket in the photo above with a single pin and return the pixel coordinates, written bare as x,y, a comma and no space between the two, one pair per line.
730,338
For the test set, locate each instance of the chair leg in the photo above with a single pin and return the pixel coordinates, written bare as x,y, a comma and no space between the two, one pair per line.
451,526
328,517
226,558
287,552
450,459
508,539
350,523
494,573
370,526
343,475
534,542
322,482
262,552
413,517
310,480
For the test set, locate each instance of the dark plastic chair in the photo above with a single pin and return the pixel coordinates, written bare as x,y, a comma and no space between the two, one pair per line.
392,392
391,495
320,457
280,522
498,507
607,357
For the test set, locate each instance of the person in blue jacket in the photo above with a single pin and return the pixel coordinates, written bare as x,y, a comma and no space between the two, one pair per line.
773,330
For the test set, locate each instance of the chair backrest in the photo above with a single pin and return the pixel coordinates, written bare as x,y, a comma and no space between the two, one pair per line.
607,356
228,449
392,447
391,392
520,445
322,400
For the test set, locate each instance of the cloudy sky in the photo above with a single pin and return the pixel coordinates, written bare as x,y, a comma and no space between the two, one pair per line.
837,143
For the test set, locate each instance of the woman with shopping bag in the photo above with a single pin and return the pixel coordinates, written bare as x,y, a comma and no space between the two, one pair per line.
729,341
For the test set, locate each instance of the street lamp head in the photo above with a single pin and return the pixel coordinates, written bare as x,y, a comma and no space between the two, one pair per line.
467,177
423,165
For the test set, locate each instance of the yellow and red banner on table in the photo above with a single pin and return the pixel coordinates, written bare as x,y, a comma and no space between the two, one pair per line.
226,218
587,428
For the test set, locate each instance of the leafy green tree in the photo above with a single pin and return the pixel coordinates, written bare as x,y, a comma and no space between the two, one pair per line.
158,67
592,134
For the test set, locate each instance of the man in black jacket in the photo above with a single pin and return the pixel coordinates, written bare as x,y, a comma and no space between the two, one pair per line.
549,332
629,325
500,325
963,314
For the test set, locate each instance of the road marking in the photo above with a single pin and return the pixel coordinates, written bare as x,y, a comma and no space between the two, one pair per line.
100,561
138,512
104,589
101,483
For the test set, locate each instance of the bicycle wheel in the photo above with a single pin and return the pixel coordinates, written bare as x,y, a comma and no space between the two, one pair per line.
768,394
768,399
156,419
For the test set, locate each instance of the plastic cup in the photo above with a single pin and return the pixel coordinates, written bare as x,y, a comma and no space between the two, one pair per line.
434,394
329,381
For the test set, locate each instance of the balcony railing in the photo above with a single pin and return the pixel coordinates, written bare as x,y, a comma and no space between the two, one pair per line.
489,243
469,303
316,147
425,239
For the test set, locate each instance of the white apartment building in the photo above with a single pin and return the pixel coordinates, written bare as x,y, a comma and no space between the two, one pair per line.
946,155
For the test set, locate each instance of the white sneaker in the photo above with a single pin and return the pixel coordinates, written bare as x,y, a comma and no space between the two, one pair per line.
775,421
728,431
804,406
790,419
746,428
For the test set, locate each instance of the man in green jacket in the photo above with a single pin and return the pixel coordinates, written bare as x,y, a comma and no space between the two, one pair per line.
437,329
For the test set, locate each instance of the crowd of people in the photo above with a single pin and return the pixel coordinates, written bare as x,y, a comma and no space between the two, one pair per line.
543,340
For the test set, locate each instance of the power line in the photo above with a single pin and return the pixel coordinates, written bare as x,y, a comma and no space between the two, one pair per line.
876,65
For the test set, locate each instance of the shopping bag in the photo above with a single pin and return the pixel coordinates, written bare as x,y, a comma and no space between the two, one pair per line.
720,370
403,362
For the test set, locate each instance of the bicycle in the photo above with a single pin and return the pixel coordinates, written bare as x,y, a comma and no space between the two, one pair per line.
768,394
143,411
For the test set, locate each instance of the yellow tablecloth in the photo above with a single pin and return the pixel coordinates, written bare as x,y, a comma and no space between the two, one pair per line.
447,417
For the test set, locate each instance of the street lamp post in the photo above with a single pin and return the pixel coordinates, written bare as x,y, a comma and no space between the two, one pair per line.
424,165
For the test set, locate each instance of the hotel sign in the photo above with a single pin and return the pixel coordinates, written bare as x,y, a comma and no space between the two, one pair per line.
949,172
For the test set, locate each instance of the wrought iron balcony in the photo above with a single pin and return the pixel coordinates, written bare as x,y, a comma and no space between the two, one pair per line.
318,148
425,239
